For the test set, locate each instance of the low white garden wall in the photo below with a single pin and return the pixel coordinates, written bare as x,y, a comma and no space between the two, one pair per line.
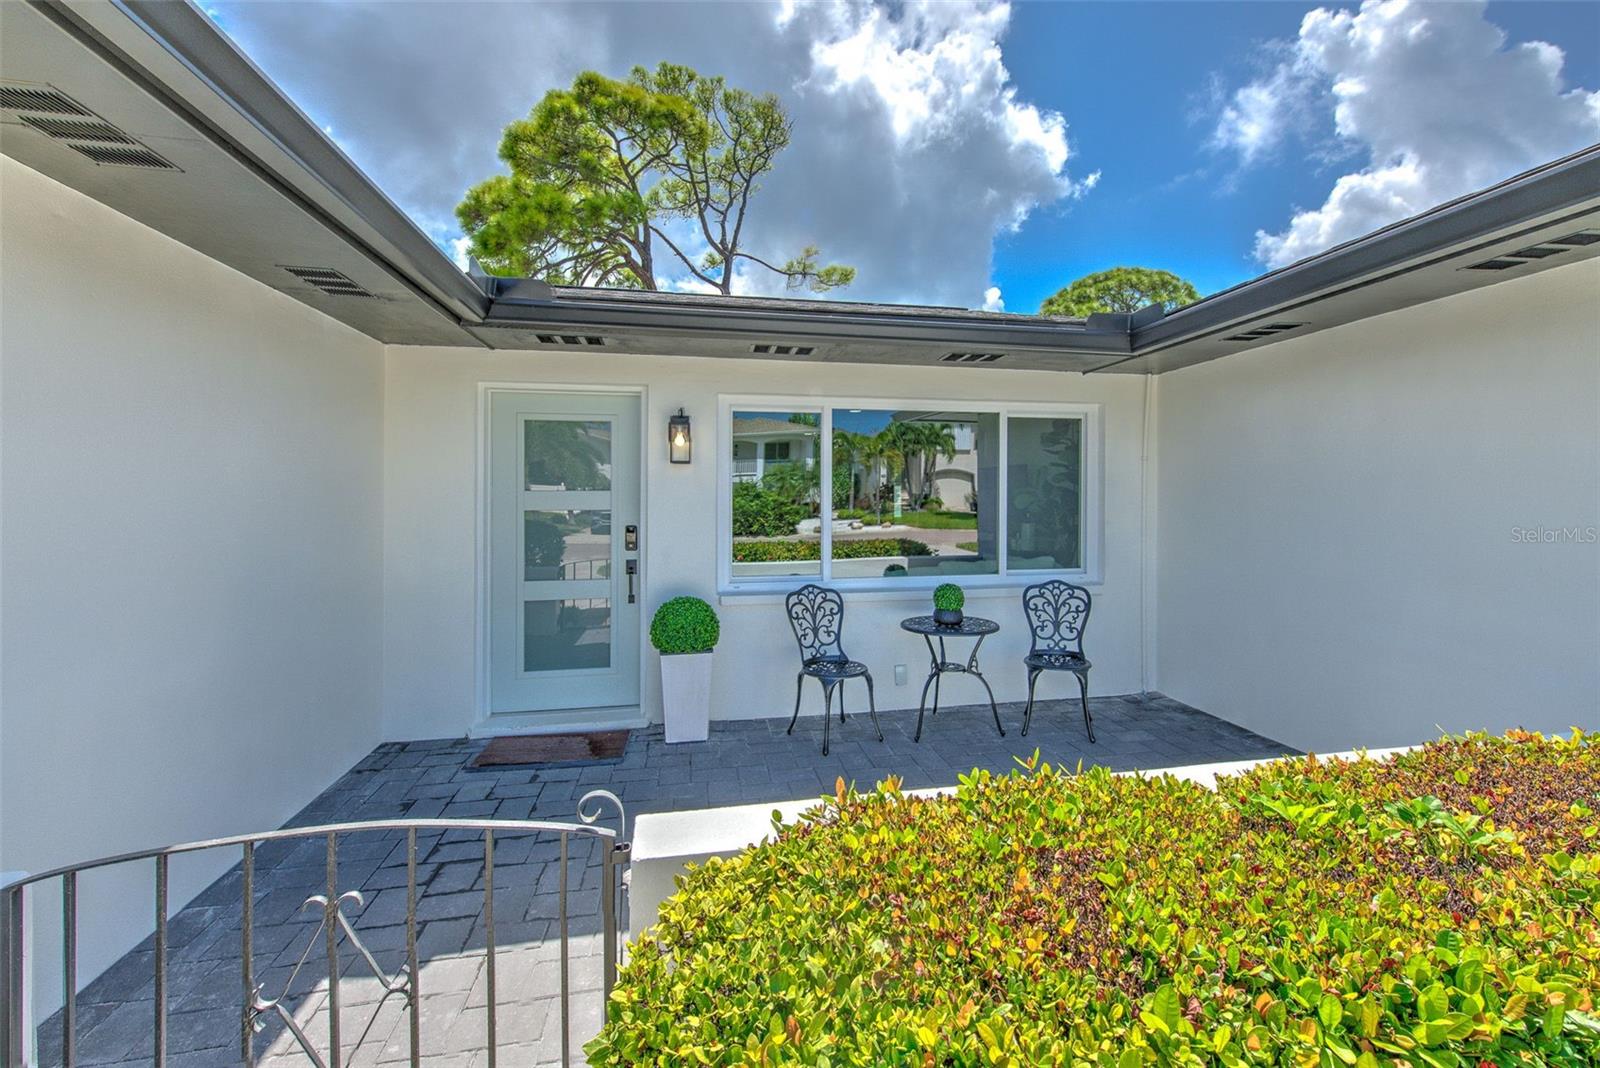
664,843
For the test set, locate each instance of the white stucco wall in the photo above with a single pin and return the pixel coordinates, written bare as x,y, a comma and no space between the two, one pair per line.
1338,558
431,434
190,485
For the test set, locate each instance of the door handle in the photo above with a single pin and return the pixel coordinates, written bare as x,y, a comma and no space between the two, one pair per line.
632,568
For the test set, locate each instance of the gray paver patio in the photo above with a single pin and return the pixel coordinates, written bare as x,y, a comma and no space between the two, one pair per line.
744,762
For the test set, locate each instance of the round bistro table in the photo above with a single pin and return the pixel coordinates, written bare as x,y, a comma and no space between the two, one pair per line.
939,664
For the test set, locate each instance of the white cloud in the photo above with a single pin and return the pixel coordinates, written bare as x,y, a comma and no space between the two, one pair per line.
1431,93
992,301
1259,115
911,149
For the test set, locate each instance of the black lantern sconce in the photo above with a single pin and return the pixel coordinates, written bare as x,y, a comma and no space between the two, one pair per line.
678,442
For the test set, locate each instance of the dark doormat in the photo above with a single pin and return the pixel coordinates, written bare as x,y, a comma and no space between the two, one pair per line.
553,750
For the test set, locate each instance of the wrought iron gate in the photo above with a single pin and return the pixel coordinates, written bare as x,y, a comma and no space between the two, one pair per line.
335,932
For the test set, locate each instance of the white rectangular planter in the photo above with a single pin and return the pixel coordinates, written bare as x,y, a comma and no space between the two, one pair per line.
686,696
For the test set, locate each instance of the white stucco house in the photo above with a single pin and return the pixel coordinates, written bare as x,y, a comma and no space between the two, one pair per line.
279,482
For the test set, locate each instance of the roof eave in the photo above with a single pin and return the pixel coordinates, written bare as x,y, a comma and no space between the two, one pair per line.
1476,220
590,314
312,168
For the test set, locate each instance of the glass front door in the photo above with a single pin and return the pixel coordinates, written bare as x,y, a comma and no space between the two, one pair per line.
563,499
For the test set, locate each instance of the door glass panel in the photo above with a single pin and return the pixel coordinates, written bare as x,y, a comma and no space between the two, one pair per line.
566,545
566,635
568,454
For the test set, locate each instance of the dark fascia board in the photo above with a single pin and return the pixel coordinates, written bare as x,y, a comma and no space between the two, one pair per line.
1481,217
1452,229
184,32
596,314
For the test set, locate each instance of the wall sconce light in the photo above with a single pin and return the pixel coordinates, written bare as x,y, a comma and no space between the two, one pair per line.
678,444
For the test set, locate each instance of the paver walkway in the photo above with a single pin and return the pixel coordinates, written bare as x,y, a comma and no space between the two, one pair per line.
744,762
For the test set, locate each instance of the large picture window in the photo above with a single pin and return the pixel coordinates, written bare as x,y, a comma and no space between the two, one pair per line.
901,493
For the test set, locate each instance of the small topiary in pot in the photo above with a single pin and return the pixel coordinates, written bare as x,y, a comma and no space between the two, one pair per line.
684,630
684,625
948,600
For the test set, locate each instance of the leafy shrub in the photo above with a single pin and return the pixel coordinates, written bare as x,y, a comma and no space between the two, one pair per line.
947,597
748,552
684,625
760,513
1434,911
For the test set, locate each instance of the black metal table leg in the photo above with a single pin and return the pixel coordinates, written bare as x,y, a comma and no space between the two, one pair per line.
932,679
938,665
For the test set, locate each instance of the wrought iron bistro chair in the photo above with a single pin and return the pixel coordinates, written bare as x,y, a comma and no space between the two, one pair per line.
1057,614
816,614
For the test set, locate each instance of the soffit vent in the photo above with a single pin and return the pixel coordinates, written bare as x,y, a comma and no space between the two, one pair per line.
49,101
972,357
769,349
78,129
133,155
1556,246
41,108
1538,252
333,283
570,340
1266,330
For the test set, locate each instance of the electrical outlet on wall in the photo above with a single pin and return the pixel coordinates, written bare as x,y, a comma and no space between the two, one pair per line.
899,674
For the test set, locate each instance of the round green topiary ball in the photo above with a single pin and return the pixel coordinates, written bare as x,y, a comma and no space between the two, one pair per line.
947,597
684,625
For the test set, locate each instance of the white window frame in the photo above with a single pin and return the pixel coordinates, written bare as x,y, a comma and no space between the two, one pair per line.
1090,574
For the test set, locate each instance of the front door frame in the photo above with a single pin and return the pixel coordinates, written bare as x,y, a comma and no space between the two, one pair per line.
484,724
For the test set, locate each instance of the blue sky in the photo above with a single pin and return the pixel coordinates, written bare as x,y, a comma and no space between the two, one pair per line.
1165,197
981,153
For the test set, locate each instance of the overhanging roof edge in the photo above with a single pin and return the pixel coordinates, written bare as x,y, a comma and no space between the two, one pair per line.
189,37
809,324
1563,183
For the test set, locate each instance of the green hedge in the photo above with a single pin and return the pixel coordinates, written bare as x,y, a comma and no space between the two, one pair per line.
761,513
1435,911
749,552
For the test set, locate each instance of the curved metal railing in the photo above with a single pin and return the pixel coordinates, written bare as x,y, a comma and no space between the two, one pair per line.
334,929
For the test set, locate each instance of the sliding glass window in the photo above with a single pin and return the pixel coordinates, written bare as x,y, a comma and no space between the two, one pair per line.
914,493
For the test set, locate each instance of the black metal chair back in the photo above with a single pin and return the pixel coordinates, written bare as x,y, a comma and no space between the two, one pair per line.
1058,613
816,614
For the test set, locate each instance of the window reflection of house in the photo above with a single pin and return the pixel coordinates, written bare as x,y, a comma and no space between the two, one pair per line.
761,441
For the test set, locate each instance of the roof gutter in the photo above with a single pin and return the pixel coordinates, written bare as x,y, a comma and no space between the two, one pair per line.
1533,199
595,313
313,173
319,178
